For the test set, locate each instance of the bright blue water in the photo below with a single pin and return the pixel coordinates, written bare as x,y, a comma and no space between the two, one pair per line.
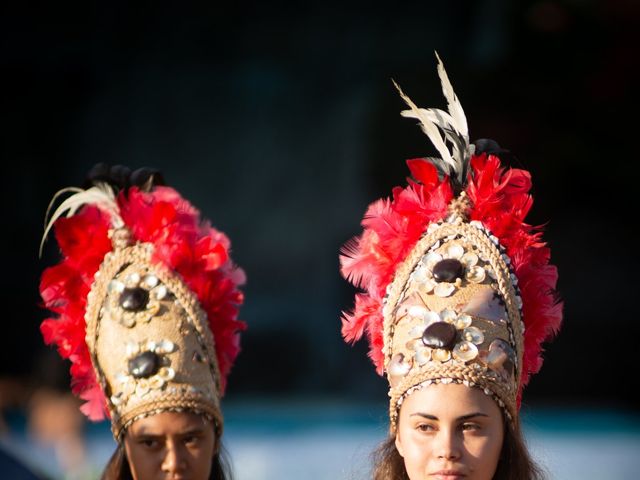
332,440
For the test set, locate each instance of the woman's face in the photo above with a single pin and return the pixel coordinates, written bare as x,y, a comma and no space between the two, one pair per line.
169,445
450,432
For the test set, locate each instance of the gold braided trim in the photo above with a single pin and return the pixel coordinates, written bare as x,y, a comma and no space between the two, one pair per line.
487,250
168,403
113,263
470,375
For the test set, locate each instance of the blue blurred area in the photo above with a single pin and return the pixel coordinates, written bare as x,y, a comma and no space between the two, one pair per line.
329,439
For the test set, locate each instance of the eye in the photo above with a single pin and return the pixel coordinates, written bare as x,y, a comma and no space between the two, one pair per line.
191,440
470,427
149,443
425,427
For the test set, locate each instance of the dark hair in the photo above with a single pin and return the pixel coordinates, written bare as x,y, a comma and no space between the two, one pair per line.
118,466
515,461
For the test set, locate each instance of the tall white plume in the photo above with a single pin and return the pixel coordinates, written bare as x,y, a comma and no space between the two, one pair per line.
447,131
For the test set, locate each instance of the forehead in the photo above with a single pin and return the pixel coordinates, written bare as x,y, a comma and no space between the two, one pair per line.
450,401
170,423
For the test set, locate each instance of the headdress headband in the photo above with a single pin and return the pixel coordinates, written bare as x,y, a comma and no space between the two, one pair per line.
456,286
145,300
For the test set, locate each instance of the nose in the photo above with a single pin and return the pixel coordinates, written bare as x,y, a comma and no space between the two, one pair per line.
448,445
174,460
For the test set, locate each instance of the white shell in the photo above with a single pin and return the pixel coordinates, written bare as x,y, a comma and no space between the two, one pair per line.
160,292
469,259
448,316
132,279
463,321
166,373
165,346
473,335
151,281
441,355
132,349
465,351
431,259
476,274
116,286
431,317
444,289
455,251
417,311
156,382
417,331
421,274
415,344
423,355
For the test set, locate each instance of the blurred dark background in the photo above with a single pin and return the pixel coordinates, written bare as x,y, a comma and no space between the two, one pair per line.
281,124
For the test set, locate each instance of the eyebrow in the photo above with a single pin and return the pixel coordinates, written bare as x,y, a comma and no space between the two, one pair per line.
460,419
152,434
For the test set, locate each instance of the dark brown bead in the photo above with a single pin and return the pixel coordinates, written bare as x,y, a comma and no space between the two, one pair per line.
134,299
440,335
448,270
144,365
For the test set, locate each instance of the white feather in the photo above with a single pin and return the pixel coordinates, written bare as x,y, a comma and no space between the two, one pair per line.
101,195
428,127
455,108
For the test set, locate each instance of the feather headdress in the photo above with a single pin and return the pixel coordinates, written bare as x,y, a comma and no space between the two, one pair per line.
145,301
456,286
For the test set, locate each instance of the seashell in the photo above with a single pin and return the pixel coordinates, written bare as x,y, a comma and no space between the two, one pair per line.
116,399
160,292
127,320
420,274
166,346
455,251
166,373
448,315
430,259
151,281
116,286
431,317
440,335
462,321
132,280
156,382
469,259
397,369
423,355
476,274
444,290
153,307
465,351
132,349
417,311
441,355
446,381
416,332
432,227
142,387
473,335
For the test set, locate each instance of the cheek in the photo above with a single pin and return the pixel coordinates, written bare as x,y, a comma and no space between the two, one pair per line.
141,464
415,450
486,454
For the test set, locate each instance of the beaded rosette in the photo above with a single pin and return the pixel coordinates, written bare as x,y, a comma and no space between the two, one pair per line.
146,302
456,286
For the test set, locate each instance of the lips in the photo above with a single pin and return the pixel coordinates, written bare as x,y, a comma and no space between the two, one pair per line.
447,475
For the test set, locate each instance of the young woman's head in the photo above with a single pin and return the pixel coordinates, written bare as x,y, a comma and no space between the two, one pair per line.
453,432
179,446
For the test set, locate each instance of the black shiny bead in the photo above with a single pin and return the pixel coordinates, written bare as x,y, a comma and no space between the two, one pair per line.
144,365
134,299
448,270
440,335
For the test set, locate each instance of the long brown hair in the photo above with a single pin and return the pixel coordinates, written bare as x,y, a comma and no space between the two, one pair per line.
118,466
515,461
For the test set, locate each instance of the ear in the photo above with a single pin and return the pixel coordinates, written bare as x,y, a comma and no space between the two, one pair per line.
399,445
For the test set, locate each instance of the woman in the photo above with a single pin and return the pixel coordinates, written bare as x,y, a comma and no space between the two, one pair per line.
145,305
458,297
